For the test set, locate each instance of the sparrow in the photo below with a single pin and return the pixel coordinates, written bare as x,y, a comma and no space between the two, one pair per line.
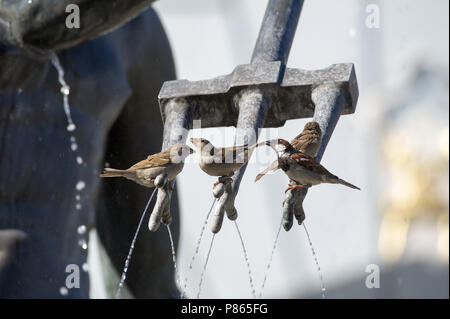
170,162
307,142
222,162
301,167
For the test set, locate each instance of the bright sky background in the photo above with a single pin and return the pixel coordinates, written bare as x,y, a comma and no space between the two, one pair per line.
209,38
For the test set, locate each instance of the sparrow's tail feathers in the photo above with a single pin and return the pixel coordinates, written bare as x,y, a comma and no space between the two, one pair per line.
111,172
341,181
272,167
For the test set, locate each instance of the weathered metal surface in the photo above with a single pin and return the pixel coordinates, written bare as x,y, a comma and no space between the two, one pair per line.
178,121
254,101
265,93
329,99
291,97
252,104
277,31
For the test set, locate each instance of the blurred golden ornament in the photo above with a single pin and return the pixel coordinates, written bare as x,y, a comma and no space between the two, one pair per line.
419,190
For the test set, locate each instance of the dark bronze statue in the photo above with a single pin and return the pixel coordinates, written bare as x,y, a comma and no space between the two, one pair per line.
114,78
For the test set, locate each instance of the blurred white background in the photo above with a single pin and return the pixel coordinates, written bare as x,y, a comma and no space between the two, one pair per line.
209,38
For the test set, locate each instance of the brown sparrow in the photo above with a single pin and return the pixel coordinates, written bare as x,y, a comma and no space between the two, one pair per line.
170,162
301,167
307,142
222,162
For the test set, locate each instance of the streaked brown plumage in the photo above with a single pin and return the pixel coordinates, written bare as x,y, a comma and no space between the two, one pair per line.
302,168
223,161
170,162
307,142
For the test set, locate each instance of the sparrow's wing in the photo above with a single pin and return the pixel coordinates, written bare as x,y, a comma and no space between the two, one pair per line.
272,167
155,160
305,140
308,162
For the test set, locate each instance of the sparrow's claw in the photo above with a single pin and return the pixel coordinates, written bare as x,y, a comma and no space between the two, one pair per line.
291,187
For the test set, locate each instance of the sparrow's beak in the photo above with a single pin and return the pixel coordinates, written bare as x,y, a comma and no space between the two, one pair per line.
261,144
269,143
191,151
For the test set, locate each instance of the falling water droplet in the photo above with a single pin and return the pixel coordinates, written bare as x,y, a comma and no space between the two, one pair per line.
65,90
174,258
316,261
123,277
73,146
204,266
244,250
197,248
79,160
78,206
83,244
81,229
80,185
77,197
274,246
85,267
63,291
71,127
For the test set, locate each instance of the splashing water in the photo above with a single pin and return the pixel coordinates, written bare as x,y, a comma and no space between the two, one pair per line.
80,185
274,246
130,252
319,270
83,244
85,267
174,258
63,291
183,293
246,260
65,90
204,267
81,229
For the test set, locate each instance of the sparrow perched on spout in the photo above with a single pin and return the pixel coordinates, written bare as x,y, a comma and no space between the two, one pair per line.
169,162
223,161
307,142
301,167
